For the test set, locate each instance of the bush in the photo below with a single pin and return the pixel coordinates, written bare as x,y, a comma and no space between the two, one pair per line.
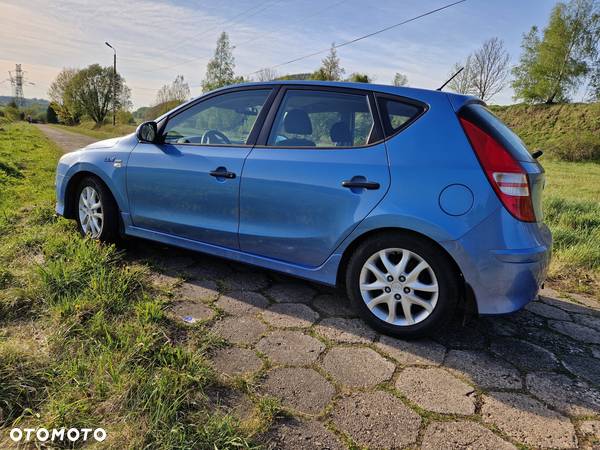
576,147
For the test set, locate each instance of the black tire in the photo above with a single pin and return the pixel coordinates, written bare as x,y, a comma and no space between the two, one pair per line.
444,271
110,210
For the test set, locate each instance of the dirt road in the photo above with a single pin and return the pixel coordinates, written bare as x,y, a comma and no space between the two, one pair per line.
64,139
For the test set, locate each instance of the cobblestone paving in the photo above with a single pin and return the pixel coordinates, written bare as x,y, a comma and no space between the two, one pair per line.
529,380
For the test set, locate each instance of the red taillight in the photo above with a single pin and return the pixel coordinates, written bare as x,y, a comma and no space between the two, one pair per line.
505,174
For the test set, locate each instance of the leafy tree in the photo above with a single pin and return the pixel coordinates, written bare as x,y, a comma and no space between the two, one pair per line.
90,91
400,79
51,116
360,78
220,69
63,106
489,69
177,91
552,66
330,69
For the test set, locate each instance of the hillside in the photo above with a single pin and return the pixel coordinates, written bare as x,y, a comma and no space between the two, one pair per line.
6,99
569,132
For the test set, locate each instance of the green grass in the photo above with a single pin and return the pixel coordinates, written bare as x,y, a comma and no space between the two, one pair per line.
85,340
104,132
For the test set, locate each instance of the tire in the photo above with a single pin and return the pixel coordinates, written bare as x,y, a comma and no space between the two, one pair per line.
426,267
108,230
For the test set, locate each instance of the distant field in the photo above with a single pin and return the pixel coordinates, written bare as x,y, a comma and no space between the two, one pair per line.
104,132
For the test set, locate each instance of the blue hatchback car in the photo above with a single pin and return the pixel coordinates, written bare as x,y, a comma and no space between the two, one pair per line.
415,201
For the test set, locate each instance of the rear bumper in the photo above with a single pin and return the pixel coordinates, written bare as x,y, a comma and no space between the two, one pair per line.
504,261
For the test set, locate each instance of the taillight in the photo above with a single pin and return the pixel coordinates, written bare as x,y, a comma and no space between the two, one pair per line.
505,174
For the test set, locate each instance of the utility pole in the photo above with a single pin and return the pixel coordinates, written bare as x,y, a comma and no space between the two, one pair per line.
114,84
17,81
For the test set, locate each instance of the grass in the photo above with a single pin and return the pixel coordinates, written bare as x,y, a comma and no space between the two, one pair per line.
85,340
104,132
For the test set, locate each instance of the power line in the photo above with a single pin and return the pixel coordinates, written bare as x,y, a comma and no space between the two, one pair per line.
360,38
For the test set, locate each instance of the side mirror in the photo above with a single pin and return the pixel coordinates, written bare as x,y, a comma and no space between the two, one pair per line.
147,132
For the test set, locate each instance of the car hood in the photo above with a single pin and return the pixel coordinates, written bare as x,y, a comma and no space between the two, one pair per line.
106,143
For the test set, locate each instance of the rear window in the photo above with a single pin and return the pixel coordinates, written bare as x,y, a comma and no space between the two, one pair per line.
397,114
487,121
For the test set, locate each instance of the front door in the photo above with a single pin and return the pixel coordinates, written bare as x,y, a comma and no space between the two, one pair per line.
322,169
188,186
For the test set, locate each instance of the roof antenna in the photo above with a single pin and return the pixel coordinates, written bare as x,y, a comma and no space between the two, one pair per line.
450,79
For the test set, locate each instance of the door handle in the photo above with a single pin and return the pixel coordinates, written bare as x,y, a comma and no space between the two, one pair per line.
221,172
371,185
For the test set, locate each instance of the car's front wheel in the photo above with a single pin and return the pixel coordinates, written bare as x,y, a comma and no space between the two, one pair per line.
402,285
97,213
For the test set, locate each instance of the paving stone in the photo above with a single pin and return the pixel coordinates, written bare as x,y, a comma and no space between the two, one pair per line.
498,326
435,389
589,302
462,435
424,351
304,390
357,367
596,352
290,347
376,420
333,305
572,397
340,329
291,293
559,343
192,311
588,321
576,331
240,330
524,318
246,282
231,402
174,263
164,280
524,355
242,302
590,428
583,367
459,336
234,361
568,305
294,435
207,267
528,421
547,311
288,315
198,291
484,370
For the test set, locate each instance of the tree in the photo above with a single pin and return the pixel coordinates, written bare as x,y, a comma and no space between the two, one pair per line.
266,74
400,79
359,78
463,82
178,91
552,66
330,69
90,91
489,69
65,109
220,69
51,116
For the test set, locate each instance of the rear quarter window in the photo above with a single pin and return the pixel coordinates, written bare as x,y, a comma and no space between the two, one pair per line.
397,114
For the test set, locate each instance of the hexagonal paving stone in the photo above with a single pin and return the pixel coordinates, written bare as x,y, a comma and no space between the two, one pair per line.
346,330
207,267
528,421
290,347
576,331
333,305
567,305
288,315
547,311
435,389
462,435
584,367
240,330
357,367
458,336
424,351
590,428
230,402
234,361
588,302
192,311
198,291
483,369
596,352
301,389
291,293
524,355
573,397
588,321
559,343
246,282
242,302
376,420
294,434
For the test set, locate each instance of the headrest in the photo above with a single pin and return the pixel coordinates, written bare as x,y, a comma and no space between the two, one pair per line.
340,134
297,121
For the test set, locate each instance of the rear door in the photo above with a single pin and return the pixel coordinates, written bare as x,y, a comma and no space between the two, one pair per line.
319,168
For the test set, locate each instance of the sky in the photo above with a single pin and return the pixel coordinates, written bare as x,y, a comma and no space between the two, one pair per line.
158,40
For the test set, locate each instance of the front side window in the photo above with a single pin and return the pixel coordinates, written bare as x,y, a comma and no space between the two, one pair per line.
226,119
322,119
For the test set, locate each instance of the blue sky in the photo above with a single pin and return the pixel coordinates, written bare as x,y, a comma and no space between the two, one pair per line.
157,40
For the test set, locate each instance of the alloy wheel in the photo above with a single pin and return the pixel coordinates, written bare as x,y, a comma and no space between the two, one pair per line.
91,216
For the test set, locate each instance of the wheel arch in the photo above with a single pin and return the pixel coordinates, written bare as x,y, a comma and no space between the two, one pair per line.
71,191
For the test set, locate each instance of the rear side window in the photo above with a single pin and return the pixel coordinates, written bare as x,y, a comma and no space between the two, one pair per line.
397,114
487,121
322,119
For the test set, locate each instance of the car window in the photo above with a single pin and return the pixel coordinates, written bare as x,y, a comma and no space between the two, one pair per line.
226,119
397,113
322,119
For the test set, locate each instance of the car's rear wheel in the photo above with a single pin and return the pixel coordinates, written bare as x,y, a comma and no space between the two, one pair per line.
97,212
402,284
